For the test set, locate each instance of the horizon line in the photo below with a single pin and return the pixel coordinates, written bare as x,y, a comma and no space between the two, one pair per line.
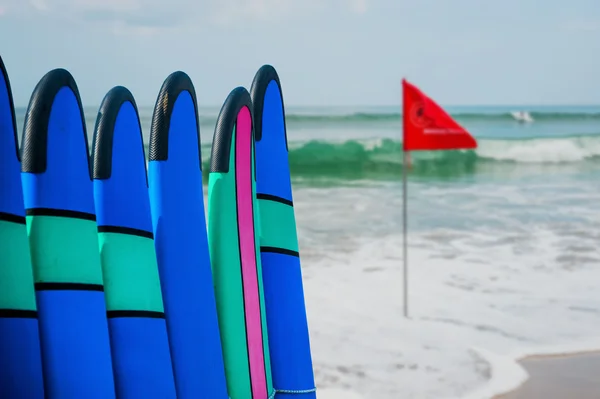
200,106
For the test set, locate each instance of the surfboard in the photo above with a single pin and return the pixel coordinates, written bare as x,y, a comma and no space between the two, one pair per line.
179,226
233,239
282,275
61,224
20,359
136,317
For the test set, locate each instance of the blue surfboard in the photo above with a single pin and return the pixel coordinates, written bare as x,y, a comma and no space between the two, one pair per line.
20,356
136,318
61,224
179,226
289,344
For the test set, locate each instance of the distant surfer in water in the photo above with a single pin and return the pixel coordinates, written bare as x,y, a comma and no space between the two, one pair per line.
522,116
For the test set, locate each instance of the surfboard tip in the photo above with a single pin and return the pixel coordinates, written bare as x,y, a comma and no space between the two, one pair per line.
102,145
264,76
221,147
34,141
176,83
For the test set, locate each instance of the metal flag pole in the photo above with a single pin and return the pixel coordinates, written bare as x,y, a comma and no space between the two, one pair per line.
405,228
405,164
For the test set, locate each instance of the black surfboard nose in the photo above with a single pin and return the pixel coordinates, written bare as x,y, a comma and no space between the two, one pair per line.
103,141
221,147
175,84
37,119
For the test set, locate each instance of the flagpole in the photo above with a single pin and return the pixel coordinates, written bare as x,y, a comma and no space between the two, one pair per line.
405,160
424,112
405,228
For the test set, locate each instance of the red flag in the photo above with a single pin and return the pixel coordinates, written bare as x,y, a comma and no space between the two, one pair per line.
427,126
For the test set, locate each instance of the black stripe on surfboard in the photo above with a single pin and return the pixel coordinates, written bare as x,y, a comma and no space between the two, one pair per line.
148,314
17,314
68,287
60,213
9,217
283,251
125,230
274,198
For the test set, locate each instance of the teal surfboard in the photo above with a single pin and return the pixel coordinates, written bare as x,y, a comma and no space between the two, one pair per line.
233,237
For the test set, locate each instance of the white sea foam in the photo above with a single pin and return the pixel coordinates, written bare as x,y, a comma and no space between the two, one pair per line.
475,308
541,150
546,150
480,297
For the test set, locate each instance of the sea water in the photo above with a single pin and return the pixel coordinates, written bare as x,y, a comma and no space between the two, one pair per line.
503,256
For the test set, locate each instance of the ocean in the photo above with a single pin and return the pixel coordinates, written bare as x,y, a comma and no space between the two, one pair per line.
503,245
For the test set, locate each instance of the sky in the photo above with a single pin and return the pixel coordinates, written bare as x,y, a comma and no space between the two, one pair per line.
326,52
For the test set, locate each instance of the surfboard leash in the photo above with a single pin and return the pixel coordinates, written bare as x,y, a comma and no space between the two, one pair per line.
292,391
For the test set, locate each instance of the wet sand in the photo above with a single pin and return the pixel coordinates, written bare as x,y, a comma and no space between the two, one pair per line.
560,377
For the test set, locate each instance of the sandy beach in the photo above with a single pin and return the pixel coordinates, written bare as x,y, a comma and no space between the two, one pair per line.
559,377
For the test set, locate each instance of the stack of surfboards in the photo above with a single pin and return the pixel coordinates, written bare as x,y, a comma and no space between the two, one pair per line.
113,284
